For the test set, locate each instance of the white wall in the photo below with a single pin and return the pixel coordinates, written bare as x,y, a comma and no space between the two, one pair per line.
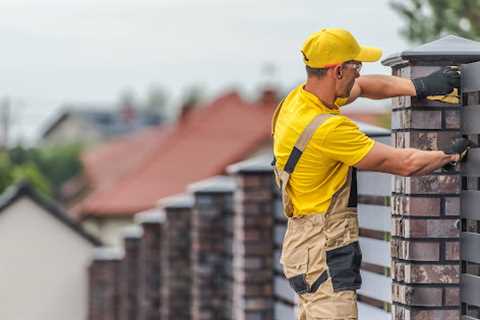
43,266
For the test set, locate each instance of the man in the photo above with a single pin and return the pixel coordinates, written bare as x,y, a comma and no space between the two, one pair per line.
317,151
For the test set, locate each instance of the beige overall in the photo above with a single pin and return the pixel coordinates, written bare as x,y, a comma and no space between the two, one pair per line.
321,256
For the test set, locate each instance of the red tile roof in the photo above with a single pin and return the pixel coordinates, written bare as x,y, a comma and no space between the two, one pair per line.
132,174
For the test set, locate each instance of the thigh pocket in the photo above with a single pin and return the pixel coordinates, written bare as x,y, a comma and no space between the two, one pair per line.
295,267
344,267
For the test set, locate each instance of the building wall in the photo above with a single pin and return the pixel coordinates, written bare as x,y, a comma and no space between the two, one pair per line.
43,266
108,230
72,130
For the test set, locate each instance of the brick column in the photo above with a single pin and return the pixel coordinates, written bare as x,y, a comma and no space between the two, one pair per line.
176,264
212,249
103,284
253,241
129,273
150,264
425,210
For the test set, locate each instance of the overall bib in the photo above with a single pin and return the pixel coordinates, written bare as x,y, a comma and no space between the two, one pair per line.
321,255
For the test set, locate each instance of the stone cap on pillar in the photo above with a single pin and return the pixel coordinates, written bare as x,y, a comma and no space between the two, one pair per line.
179,201
155,215
217,184
108,254
260,164
449,48
132,232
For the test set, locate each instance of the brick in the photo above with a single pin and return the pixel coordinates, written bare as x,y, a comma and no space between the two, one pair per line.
452,206
452,296
435,314
424,140
431,228
398,270
433,184
452,119
417,296
415,206
452,250
414,119
415,250
434,274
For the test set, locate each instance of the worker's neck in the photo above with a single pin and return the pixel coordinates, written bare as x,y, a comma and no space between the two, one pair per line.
323,90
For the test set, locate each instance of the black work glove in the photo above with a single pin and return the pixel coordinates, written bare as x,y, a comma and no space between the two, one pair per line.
440,82
459,146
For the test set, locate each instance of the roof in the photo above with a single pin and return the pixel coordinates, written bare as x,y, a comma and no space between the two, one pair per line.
132,174
108,122
24,189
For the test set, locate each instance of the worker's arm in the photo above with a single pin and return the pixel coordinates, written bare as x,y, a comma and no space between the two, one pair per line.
439,82
381,87
404,162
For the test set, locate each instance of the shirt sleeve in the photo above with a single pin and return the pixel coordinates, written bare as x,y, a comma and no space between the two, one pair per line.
345,142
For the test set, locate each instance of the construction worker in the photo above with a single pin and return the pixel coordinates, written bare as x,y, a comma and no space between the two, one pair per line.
317,151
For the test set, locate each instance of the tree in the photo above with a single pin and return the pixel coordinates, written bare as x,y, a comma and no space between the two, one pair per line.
430,19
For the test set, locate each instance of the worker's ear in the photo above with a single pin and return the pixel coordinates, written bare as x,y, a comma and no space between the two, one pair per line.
339,72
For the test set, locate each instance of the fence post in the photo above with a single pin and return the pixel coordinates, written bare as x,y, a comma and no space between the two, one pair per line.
104,279
425,210
212,249
253,248
150,264
129,273
176,277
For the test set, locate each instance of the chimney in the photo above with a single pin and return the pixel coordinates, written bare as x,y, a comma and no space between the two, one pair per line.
268,96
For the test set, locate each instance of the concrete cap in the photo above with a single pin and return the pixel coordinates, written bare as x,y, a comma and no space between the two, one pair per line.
155,215
260,164
179,201
217,184
108,253
132,232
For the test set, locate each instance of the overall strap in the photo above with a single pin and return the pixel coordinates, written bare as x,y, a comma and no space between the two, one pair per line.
283,176
298,149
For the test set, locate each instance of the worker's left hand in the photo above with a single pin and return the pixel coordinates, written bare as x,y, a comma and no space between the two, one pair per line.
440,82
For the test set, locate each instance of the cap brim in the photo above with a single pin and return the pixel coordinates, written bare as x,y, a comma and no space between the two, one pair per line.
368,54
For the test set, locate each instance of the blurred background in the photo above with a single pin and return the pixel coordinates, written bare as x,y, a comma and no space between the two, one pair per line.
100,101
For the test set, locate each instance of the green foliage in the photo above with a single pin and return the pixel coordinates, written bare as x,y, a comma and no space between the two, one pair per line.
47,169
11,173
428,20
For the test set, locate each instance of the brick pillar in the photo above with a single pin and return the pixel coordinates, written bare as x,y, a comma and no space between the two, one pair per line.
129,272
253,241
425,210
176,268
103,284
212,249
150,264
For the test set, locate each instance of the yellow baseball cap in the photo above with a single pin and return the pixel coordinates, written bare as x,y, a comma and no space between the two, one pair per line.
332,46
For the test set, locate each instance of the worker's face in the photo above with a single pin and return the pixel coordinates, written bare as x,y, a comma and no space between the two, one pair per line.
346,73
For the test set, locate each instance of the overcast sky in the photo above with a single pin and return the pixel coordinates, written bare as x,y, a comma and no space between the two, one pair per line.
58,51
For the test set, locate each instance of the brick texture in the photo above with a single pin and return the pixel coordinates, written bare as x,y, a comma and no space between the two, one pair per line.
103,289
253,246
212,255
425,235
176,265
129,280
150,282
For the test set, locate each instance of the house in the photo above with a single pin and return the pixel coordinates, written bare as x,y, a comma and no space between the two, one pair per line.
44,259
90,125
131,174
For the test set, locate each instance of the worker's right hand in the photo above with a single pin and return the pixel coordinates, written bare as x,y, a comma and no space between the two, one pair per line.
440,82
459,148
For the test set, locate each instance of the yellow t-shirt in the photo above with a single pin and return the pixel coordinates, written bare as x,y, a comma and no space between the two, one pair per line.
336,145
